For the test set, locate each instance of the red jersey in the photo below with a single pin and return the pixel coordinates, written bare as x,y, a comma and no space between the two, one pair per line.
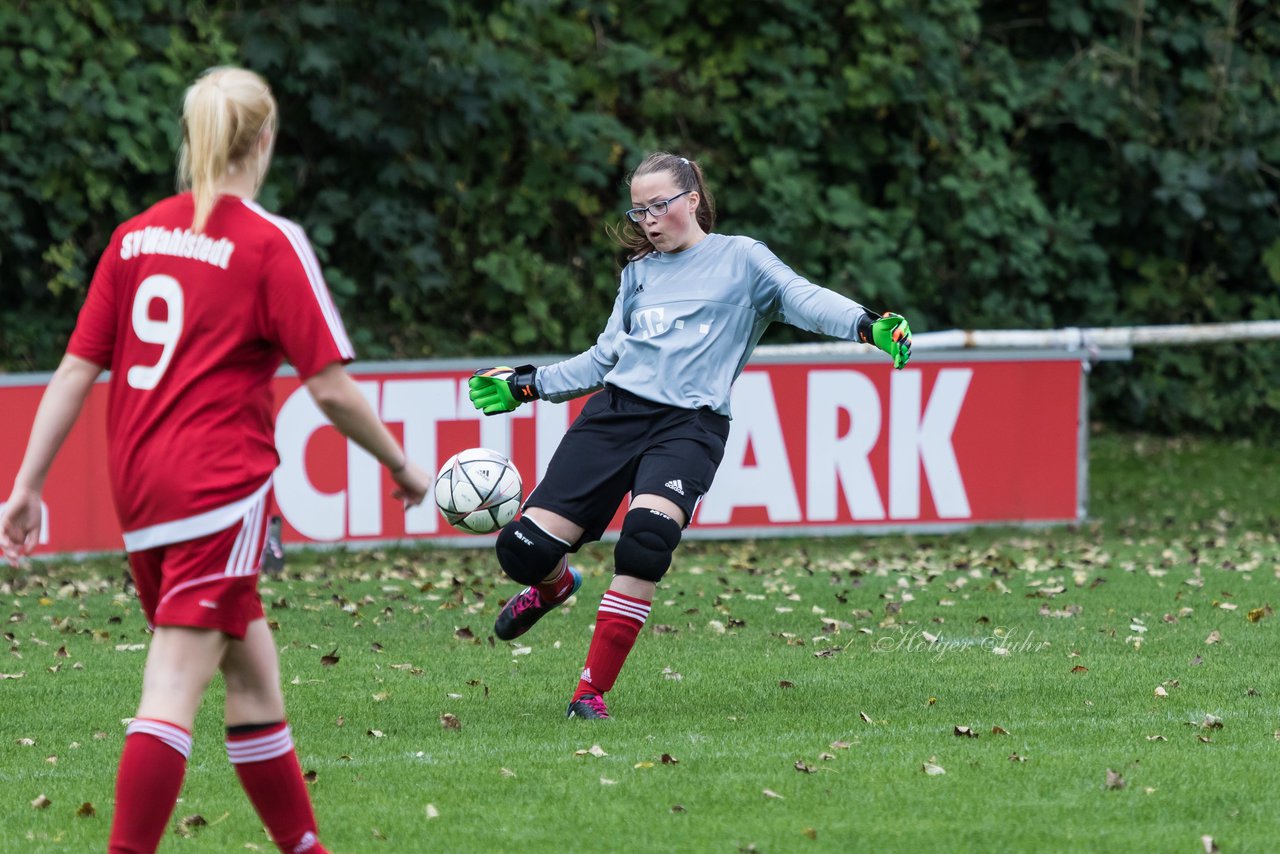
193,327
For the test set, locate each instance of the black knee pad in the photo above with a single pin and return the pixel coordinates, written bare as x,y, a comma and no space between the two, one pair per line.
527,553
644,549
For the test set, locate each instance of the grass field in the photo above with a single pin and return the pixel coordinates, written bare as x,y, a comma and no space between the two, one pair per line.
1117,682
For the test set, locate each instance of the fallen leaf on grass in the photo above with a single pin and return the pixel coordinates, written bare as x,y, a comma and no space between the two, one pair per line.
1114,780
932,768
844,745
595,750
964,732
770,793
668,759
999,730
826,757
785,684
464,633
802,767
1161,692
26,742
1014,757
1079,668
1214,637
677,808
1210,847
640,765
506,772
374,733
1257,614
330,659
311,776
1156,737
449,721
432,812
810,833
605,781
190,824
866,718
41,802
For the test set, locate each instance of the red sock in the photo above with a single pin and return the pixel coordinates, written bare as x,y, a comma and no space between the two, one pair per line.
557,588
618,624
147,784
267,766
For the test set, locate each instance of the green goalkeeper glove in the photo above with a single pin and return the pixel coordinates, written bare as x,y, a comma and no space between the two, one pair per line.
495,390
890,333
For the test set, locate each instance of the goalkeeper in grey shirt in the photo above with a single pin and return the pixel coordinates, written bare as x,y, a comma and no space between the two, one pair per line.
691,306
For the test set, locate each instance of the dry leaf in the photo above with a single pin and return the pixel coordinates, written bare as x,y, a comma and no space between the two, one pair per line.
668,759
810,833
785,684
1210,847
839,745
999,730
643,765
26,742
41,802
1114,780
188,825
770,793
1214,637
964,732
311,776
506,772
1161,692
932,769
1014,757
826,757
86,810
1257,614
330,659
464,633
866,718
1156,737
605,781
803,768
677,808
374,733
432,812
1079,668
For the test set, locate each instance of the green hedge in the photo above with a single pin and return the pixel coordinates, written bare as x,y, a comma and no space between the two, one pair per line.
457,165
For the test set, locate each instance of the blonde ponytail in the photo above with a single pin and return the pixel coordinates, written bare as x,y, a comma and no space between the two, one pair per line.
224,114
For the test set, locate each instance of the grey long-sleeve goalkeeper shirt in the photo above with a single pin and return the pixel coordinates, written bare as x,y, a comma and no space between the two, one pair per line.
685,323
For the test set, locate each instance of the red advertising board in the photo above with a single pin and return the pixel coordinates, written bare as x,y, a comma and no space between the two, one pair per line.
816,446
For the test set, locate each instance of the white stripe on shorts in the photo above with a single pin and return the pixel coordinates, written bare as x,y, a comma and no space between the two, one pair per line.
193,527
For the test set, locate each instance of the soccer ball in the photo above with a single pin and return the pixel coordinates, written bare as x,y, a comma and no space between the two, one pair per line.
478,491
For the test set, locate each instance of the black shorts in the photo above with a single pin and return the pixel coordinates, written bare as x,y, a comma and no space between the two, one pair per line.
623,444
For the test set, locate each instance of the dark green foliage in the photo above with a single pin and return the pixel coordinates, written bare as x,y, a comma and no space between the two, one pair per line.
458,165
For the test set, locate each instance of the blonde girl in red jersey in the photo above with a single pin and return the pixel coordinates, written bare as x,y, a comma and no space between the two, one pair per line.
193,307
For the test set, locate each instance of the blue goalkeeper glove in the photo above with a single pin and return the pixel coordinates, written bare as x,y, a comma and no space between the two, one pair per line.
495,390
890,333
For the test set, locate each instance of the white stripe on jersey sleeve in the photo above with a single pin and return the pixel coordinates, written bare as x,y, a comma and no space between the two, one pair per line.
311,265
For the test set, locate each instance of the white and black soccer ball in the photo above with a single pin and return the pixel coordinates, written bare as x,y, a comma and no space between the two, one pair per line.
478,491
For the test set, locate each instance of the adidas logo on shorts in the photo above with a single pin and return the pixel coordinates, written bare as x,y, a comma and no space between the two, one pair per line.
675,486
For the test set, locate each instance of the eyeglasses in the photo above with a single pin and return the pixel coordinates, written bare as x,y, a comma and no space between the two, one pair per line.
657,209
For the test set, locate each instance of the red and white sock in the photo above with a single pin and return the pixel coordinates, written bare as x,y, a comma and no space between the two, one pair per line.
556,588
267,766
152,766
618,624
